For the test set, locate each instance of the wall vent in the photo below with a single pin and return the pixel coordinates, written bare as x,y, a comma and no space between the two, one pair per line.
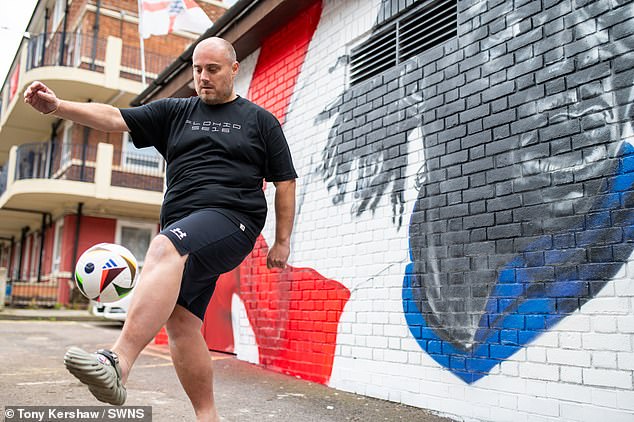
423,26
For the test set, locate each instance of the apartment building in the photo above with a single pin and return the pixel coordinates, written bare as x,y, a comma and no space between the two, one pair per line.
63,186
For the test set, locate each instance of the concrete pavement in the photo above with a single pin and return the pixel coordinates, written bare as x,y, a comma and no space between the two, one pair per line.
33,374
45,314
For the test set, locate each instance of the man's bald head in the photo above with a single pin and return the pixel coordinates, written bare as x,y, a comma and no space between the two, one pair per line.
216,43
215,67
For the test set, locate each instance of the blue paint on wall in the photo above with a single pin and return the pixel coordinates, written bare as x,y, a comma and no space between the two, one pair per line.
523,304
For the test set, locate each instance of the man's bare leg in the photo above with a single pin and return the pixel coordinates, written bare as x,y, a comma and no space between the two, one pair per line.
192,362
154,299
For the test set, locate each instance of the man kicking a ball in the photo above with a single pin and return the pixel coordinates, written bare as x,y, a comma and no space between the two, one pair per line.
218,147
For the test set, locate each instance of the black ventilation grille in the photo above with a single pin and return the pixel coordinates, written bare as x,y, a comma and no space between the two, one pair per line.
425,25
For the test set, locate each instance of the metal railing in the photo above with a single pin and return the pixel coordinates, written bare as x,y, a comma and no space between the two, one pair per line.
131,63
138,170
66,49
56,161
33,294
89,52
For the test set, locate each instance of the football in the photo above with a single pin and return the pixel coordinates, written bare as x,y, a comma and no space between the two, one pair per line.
106,272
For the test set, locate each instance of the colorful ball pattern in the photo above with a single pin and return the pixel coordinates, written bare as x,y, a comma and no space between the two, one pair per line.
106,272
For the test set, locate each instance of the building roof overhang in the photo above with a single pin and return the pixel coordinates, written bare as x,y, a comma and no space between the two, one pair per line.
246,24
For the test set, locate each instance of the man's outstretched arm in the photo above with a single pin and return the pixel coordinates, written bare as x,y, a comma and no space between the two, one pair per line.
98,116
284,219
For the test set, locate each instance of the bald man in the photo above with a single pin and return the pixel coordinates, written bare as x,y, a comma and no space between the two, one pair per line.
218,147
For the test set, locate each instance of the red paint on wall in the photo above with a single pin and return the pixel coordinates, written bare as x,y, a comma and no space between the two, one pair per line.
294,314
280,62
217,328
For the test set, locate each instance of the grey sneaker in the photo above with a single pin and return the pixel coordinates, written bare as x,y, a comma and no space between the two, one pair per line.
100,371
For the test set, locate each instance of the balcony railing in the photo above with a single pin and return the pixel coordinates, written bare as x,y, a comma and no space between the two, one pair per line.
138,169
131,63
56,161
58,49
89,52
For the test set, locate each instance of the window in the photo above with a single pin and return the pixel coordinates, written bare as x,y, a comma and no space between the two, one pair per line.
67,143
58,13
144,158
57,249
73,49
425,25
136,237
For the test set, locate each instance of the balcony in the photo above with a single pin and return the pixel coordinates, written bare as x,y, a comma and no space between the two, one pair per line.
52,177
89,52
76,67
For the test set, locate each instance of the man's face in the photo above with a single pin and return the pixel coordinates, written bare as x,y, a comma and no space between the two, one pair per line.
214,73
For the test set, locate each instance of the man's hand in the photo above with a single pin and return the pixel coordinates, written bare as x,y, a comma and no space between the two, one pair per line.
278,256
41,98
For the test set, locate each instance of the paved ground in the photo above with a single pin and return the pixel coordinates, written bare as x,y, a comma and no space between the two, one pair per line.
32,373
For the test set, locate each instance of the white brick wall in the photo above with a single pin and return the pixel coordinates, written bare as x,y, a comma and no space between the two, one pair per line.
579,370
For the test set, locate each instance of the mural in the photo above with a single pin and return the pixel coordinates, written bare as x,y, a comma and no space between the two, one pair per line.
294,313
524,209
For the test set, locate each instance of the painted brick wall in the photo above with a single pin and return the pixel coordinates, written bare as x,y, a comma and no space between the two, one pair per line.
473,204
294,313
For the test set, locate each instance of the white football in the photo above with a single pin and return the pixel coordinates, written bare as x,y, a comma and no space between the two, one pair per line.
106,272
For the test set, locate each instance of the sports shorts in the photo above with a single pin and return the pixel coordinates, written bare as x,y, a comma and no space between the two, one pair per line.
216,244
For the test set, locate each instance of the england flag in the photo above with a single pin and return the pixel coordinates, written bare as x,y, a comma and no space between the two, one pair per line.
160,17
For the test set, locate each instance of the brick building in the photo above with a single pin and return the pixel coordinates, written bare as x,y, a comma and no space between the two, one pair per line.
65,187
464,224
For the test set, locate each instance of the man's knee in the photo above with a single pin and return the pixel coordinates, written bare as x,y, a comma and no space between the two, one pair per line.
182,323
162,249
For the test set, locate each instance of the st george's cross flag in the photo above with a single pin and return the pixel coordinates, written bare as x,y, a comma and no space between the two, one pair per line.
160,17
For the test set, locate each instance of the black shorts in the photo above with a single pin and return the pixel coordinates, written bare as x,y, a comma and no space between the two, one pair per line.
216,244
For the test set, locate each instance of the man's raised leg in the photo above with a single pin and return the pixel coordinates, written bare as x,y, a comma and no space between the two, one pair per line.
155,295
153,301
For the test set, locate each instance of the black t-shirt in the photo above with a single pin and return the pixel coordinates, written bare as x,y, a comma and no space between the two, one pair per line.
217,155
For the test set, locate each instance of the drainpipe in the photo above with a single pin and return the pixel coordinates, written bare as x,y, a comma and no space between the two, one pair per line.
80,207
122,13
44,36
95,34
51,152
25,230
42,239
62,44
84,147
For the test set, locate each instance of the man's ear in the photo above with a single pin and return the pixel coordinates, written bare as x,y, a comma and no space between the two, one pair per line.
234,68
